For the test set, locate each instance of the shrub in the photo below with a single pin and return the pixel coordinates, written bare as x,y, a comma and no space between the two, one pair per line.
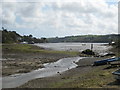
88,52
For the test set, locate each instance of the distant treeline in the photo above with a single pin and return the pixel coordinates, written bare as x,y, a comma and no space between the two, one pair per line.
87,38
13,37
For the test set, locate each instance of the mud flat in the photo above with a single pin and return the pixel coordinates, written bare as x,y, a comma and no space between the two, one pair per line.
84,75
23,58
19,59
50,69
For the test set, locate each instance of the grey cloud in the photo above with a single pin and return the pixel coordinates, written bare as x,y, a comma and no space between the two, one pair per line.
62,18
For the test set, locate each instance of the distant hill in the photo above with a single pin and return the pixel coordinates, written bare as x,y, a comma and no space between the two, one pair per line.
86,38
14,37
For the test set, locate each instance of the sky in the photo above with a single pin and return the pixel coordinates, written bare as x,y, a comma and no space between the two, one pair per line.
58,18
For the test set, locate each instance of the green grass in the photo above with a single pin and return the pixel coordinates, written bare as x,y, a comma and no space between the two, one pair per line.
116,50
32,49
19,47
58,52
97,77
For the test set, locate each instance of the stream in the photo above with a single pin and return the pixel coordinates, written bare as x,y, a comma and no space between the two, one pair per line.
49,69
54,68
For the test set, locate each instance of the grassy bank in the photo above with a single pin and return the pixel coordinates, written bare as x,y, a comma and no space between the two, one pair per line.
30,57
96,78
81,77
27,48
116,50
84,76
23,58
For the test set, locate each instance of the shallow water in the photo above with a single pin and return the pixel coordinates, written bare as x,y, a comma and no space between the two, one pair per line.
49,70
97,47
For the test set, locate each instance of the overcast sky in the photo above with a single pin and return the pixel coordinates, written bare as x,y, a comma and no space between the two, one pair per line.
57,18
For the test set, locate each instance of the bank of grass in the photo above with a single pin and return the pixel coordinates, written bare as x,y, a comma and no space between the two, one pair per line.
96,78
23,58
27,48
19,48
60,52
116,50
92,77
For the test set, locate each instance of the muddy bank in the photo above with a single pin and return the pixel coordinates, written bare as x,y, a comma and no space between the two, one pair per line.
50,69
25,58
31,59
83,76
28,62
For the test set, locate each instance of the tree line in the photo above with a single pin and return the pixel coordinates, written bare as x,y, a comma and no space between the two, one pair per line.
13,37
87,38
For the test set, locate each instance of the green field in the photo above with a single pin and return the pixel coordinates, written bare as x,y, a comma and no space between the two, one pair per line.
27,48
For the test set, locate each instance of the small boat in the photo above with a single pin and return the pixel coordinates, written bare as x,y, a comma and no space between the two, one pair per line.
83,44
105,61
106,54
117,74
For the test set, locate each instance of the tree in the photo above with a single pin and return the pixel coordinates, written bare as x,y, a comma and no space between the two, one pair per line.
30,36
44,40
4,29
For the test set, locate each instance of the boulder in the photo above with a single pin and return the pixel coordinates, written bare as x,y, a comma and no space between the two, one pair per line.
88,52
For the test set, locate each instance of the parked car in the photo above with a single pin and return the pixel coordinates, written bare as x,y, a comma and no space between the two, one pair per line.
31,42
24,42
117,74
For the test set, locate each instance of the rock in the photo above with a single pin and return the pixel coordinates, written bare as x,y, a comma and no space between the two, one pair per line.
88,52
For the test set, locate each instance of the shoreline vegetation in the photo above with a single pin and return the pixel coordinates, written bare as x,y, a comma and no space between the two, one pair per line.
14,37
19,57
83,76
23,58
